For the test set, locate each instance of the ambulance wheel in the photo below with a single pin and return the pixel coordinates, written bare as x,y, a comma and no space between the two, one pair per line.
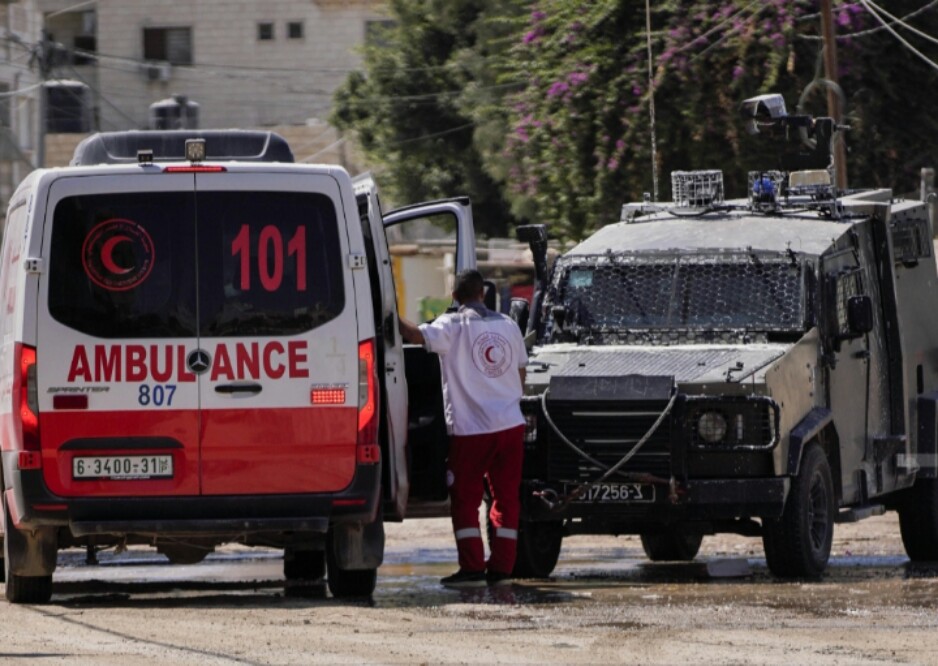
918,521
344,583
538,548
673,545
183,553
304,564
21,589
305,573
798,544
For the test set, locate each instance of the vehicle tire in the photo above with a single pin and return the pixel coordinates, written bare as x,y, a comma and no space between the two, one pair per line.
538,548
798,544
345,583
305,573
304,564
673,545
918,521
21,589
181,553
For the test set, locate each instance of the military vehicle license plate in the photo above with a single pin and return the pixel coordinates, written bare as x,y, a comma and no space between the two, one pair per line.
122,467
616,492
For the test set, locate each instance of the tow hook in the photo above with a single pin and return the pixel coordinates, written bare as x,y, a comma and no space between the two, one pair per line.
549,497
674,491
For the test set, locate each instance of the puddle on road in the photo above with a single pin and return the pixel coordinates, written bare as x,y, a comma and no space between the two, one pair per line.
411,579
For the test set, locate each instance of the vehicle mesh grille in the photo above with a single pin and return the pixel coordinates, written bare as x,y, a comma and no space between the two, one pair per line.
666,292
607,432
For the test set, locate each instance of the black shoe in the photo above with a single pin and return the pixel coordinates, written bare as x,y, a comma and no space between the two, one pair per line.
464,579
497,579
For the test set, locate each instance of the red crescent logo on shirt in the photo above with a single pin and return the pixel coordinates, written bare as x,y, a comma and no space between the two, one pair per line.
491,354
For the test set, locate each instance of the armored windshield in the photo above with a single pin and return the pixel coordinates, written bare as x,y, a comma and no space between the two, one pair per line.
690,292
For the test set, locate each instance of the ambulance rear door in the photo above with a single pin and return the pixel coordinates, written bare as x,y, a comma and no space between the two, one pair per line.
390,350
116,318
278,346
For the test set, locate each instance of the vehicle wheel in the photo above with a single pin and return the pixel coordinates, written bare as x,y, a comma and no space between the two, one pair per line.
918,521
799,543
181,553
304,564
538,548
305,573
344,583
674,545
21,589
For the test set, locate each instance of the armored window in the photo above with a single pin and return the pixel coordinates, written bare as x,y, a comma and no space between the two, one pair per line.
172,45
910,240
713,292
846,285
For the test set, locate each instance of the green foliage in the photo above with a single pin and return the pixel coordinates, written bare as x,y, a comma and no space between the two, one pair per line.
546,105
417,106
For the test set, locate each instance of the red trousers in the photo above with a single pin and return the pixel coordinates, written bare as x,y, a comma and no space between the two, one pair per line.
496,456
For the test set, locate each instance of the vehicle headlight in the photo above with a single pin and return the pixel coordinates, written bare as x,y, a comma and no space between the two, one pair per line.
711,426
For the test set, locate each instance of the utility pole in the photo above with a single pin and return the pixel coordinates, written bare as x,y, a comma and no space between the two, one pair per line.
44,58
833,101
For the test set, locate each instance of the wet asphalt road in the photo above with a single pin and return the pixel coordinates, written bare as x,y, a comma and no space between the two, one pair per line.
604,604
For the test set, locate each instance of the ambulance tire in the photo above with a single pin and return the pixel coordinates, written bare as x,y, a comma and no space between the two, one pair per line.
21,589
918,521
538,548
346,583
305,573
798,544
674,545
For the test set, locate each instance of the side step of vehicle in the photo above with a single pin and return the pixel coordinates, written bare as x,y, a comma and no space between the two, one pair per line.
858,513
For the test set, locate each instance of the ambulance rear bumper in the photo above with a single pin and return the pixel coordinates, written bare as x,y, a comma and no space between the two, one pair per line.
190,515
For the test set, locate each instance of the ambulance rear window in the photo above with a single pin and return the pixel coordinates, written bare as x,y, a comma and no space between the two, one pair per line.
181,264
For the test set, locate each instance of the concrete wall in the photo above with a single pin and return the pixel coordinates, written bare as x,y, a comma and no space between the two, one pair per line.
239,80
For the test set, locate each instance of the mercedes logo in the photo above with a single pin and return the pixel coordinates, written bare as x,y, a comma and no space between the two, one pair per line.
198,361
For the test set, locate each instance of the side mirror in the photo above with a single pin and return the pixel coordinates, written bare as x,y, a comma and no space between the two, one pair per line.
559,313
859,315
519,310
489,297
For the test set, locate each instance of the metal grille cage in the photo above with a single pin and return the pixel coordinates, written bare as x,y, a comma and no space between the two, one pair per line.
765,189
697,189
666,292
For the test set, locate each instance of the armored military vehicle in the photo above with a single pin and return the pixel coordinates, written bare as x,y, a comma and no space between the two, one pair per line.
766,367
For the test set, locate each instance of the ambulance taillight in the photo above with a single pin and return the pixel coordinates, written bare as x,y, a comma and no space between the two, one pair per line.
367,450
27,401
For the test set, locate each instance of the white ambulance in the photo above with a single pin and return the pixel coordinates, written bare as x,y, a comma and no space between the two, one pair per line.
199,345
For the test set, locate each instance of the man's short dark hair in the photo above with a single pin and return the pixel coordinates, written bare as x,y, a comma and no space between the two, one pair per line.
469,286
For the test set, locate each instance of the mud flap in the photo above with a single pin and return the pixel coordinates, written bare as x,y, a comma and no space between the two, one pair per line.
357,546
31,552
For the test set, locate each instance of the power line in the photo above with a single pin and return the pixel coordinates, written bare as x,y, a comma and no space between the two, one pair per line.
871,31
869,8
903,24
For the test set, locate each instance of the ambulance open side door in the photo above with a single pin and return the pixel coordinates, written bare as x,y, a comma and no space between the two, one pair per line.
427,438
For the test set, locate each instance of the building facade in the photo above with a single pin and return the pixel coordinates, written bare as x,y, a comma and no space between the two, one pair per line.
20,93
244,63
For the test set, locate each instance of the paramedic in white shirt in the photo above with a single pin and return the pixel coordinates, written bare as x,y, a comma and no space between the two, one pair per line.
483,357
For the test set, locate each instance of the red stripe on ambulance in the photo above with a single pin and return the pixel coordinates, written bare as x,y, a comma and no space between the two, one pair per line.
163,363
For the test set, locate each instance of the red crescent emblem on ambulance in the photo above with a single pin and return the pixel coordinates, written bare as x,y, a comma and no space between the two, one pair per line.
117,254
107,255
